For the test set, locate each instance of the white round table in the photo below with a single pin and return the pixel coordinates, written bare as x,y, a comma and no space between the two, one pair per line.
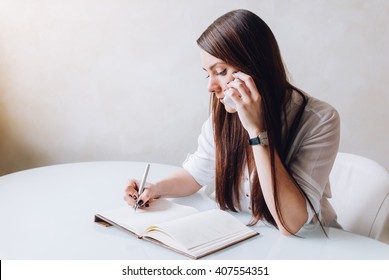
48,213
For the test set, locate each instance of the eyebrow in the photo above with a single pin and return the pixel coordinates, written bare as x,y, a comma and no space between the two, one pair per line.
214,65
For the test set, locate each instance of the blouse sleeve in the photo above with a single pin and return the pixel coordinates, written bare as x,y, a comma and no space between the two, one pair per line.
201,164
315,149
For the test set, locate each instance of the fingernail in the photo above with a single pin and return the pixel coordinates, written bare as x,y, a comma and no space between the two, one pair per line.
134,197
147,205
140,202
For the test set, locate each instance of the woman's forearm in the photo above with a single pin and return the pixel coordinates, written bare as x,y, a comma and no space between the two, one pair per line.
292,204
178,184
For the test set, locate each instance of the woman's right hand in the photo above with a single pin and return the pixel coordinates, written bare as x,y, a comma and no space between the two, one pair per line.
181,183
132,197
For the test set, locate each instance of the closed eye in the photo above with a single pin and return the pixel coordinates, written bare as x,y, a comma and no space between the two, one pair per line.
222,73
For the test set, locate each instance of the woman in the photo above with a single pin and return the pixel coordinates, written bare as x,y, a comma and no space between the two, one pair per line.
272,149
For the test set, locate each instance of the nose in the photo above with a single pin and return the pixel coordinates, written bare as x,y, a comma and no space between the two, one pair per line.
214,85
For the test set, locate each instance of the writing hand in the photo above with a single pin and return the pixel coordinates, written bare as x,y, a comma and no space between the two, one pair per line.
132,197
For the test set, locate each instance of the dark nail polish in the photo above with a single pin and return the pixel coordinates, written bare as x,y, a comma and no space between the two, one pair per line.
140,202
135,197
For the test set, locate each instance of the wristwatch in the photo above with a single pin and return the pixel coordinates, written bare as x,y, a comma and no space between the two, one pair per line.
261,139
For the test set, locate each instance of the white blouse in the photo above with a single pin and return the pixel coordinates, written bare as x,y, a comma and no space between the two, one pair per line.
310,158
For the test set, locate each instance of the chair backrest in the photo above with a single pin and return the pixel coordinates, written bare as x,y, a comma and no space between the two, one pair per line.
360,196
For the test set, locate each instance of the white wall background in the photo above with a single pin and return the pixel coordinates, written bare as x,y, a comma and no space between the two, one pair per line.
88,80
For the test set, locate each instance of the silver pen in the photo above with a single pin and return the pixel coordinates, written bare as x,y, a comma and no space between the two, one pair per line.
142,184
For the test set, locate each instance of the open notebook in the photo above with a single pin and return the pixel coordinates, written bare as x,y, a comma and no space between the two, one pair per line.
180,228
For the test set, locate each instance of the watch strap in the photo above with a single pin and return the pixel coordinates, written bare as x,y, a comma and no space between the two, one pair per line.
255,141
261,139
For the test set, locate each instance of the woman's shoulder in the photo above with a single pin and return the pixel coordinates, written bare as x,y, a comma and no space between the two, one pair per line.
321,110
315,109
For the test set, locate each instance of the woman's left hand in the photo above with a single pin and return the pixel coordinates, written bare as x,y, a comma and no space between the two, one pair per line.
248,103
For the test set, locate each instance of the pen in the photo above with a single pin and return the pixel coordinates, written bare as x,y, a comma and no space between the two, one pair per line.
142,184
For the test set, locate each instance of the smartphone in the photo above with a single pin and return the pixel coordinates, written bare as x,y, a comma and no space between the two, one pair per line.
228,100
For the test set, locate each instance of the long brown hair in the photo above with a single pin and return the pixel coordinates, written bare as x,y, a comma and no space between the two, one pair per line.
244,41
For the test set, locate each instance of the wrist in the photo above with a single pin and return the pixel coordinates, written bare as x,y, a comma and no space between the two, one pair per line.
255,132
260,139
155,191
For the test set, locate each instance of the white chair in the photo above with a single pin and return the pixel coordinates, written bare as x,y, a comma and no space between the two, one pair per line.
360,196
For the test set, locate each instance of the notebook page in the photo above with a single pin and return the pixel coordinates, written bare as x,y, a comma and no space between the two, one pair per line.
160,210
204,227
